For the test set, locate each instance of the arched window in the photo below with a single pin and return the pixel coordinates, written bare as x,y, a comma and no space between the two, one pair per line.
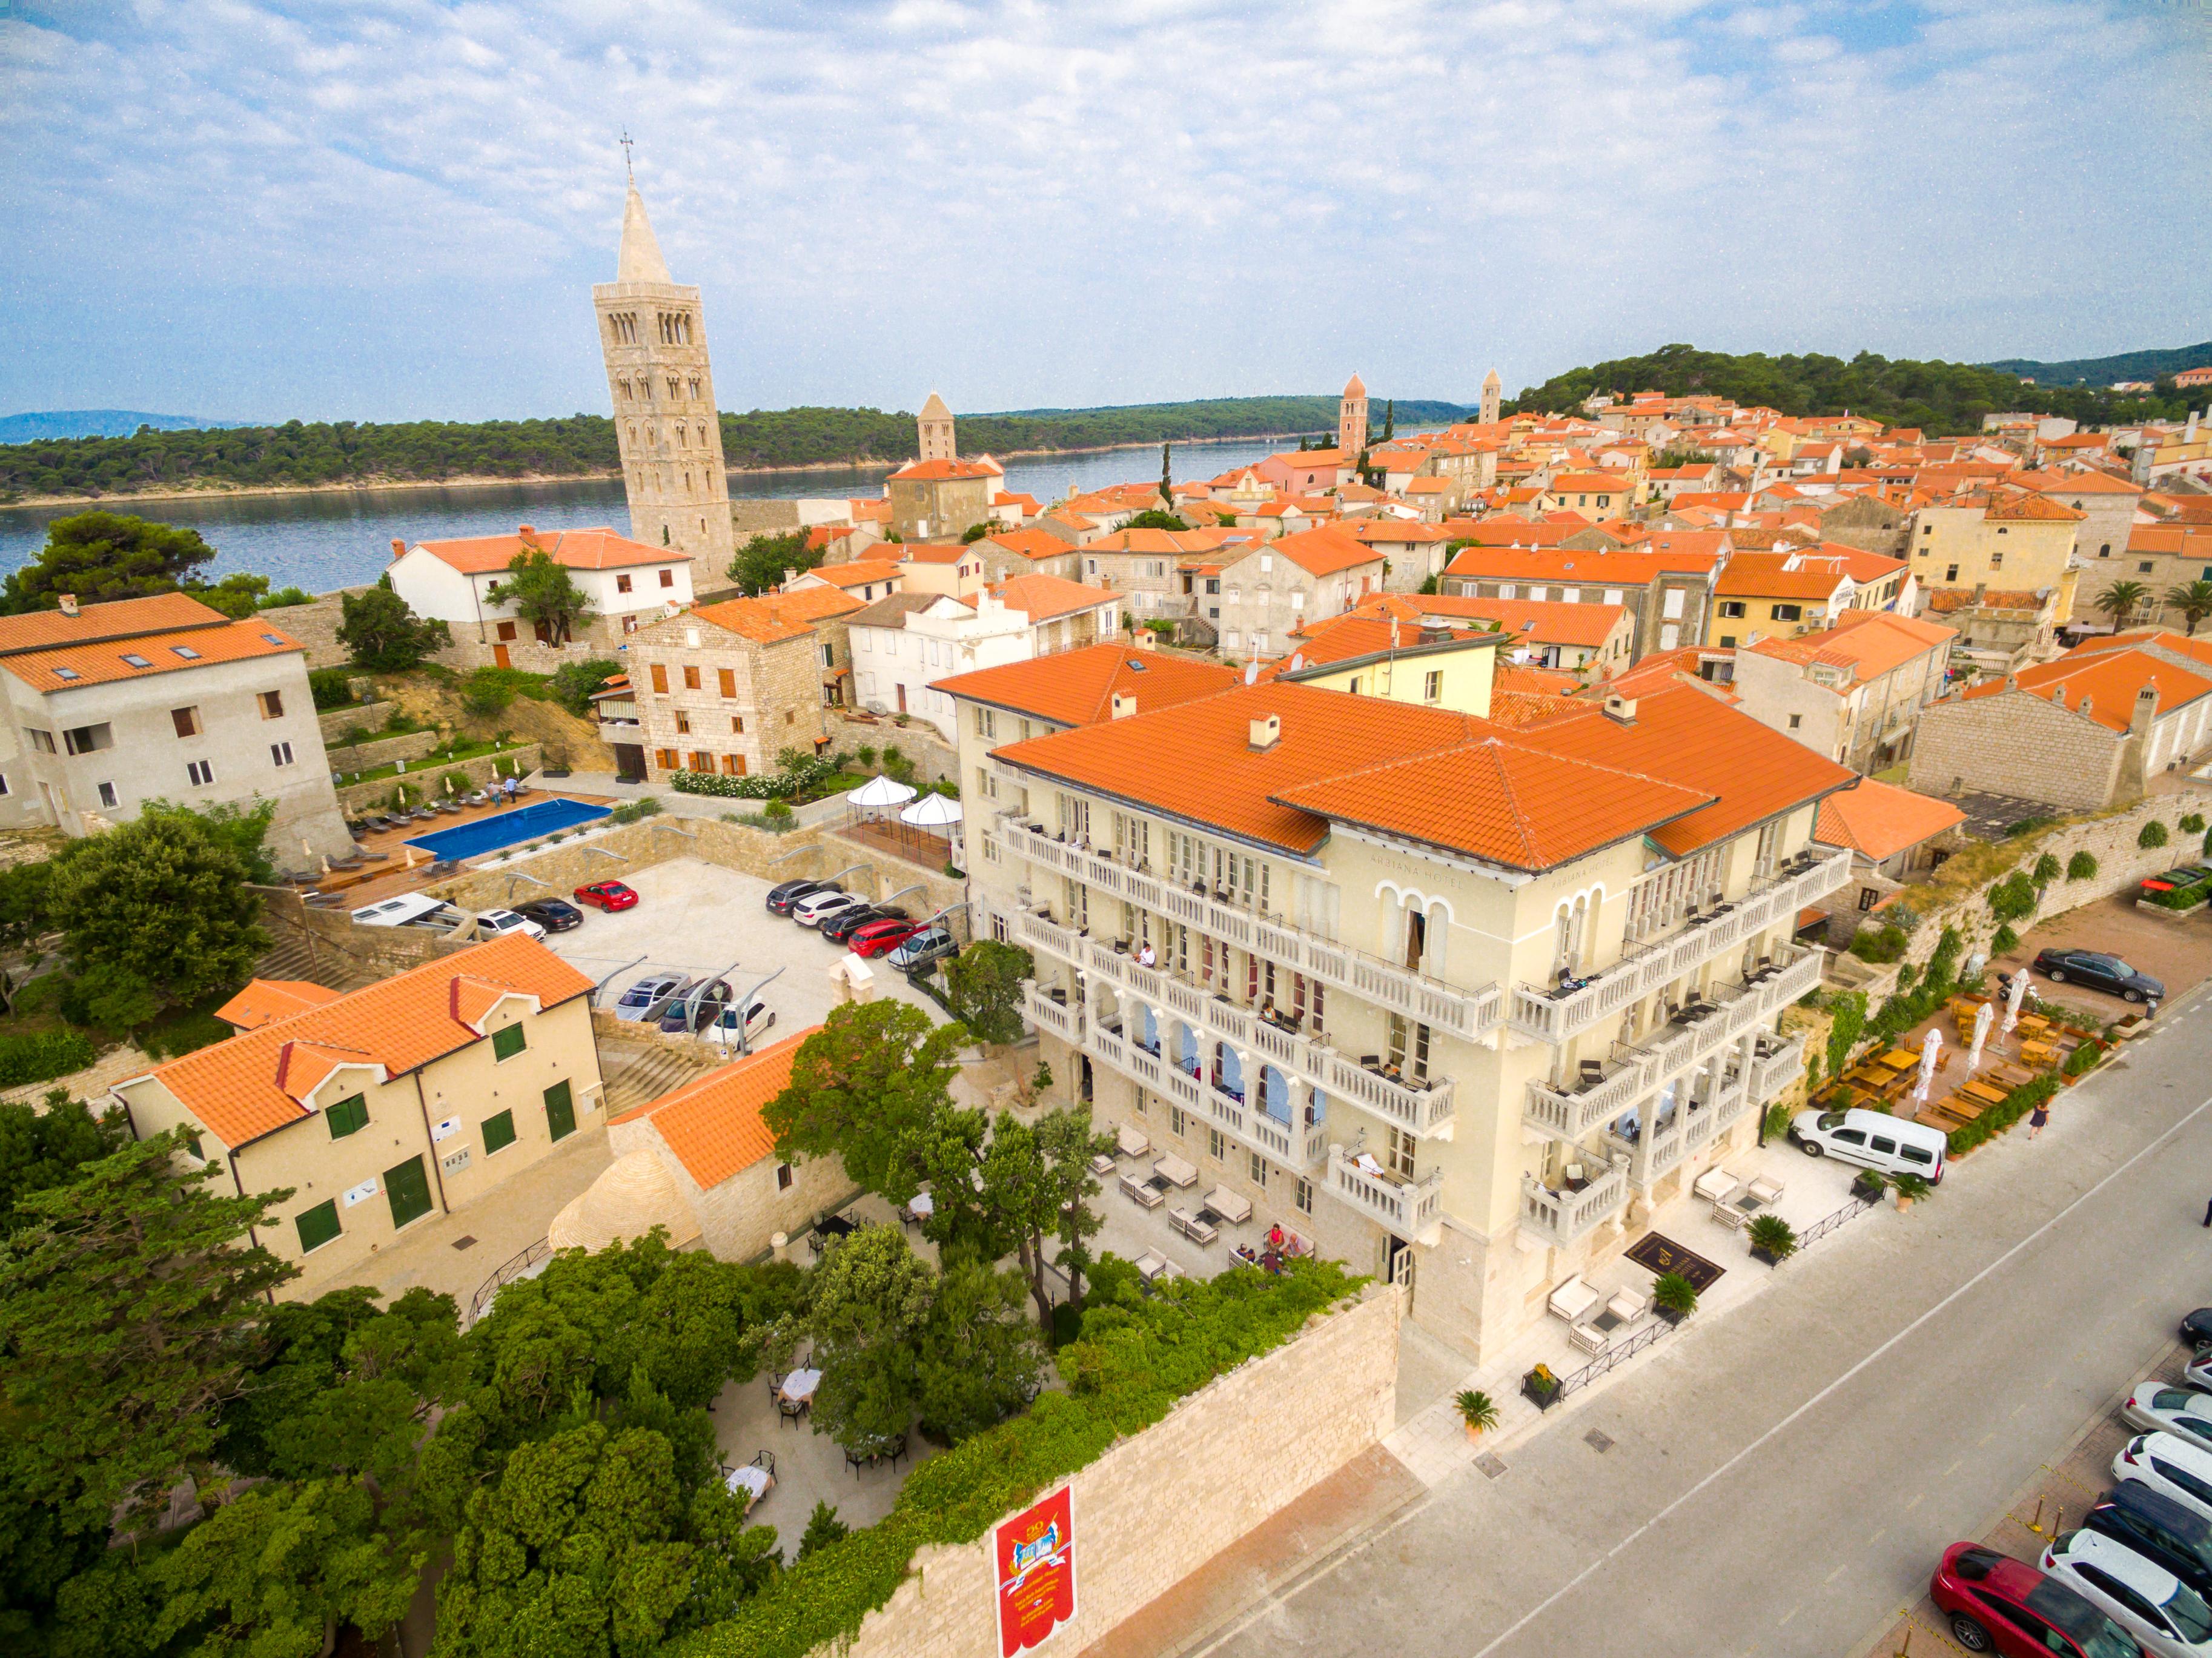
682,436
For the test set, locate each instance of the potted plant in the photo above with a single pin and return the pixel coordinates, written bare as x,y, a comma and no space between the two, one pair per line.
1773,1239
1909,1187
1540,1387
1870,1185
1674,1296
1476,1409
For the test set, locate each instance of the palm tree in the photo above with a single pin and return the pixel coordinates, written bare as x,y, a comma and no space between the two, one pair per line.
2193,599
2121,601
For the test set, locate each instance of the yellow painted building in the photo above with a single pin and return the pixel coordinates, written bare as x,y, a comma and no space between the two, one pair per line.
2019,541
1403,662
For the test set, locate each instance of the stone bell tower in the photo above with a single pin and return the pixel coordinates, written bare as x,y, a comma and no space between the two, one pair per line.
654,336
1352,419
1492,387
934,431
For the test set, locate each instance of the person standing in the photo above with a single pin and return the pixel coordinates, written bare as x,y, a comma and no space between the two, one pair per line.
2042,1116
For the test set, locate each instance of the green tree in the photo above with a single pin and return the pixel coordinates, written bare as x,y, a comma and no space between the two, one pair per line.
866,1306
872,1076
824,1527
2122,600
574,683
238,595
977,1360
1389,419
2192,600
983,983
1037,1181
544,595
156,910
1154,518
100,556
377,627
1167,480
43,1147
760,564
126,1308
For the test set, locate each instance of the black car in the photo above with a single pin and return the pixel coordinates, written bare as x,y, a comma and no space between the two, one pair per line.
843,926
2196,1328
2152,1524
2099,972
781,898
697,1008
551,914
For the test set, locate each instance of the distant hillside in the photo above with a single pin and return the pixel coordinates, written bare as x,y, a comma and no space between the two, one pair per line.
90,423
2103,371
1941,398
301,456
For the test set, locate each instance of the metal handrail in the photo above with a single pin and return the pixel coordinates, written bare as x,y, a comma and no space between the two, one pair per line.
1612,1356
508,1271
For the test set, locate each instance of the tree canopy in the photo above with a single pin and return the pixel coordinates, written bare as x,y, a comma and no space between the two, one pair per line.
875,1073
544,594
759,565
983,983
377,627
101,555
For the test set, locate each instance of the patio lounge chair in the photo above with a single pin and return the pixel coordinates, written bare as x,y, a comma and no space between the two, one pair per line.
1102,1165
1130,1142
1591,1073
1714,1185
1139,1193
1229,1205
1629,1305
1152,1267
1572,1300
1174,1170
1197,1230
1589,1338
1767,1191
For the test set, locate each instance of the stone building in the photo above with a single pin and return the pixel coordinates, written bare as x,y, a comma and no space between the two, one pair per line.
1352,421
626,583
934,433
1492,388
942,500
1666,582
110,706
904,644
1998,538
652,335
1892,835
1269,589
1854,692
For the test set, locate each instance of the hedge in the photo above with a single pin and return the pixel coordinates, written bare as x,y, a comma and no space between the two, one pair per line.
1136,1358
2004,1114
36,1057
2083,1057
2180,897
765,785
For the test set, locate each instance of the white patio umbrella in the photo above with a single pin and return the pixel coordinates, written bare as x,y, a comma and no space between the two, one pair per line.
1985,1016
879,791
932,812
1929,1047
2015,995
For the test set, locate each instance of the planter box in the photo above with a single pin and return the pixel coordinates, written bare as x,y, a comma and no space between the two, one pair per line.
1672,1315
2165,914
1758,1254
1542,1398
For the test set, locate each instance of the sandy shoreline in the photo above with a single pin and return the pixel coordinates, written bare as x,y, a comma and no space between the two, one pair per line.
229,491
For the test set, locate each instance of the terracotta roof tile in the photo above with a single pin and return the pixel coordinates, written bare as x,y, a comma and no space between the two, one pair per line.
1879,820
713,1124
1041,597
121,618
264,999
1077,688
142,655
596,549
1324,550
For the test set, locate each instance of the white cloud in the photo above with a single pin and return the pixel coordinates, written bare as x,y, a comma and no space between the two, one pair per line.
388,207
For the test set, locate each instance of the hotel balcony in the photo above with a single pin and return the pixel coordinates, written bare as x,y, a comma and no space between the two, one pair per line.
1422,1109
1469,1015
1562,1217
1298,1144
1410,1208
1556,1015
1634,1077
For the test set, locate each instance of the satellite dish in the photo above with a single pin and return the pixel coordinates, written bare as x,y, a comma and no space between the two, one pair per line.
1251,672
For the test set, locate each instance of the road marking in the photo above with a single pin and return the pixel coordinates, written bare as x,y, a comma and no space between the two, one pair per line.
1848,1377
1915,1501
1787,1616
1955,1467
1985,1439
1833,1575
1877,1537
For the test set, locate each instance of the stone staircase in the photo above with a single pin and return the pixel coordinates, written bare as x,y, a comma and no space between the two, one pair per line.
635,1074
293,957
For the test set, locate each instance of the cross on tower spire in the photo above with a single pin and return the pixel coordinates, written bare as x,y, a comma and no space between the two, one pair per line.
626,173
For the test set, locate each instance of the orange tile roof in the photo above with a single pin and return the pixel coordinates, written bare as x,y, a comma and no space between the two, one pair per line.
596,549
713,1124
1611,483
1767,575
938,471
1525,679
142,655
1176,542
2076,484
1548,621
857,573
1041,597
757,620
264,999
120,618
2110,680
1945,599
1633,568
1077,688
1323,551
809,604
1352,636
249,1086
1879,820
2184,540
1031,543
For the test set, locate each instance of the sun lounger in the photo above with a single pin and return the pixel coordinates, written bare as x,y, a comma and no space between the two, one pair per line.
1138,1193
1229,1206
1130,1142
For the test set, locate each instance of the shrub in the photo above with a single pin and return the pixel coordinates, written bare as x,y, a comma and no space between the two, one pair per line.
2013,899
1908,973
1911,1187
2181,898
1884,945
2153,835
186,1036
2192,822
1907,1009
1774,1235
778,812
1848,1009
573,683
35,1058
1777,1120
1477,1409
2047,870
484,693
2003,1116
2027,826
2081,867
866,753
1674,1292
2003,940
2083,1058
630,810
331,688
801,772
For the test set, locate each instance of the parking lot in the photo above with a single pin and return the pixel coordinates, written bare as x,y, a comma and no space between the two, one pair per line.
694,918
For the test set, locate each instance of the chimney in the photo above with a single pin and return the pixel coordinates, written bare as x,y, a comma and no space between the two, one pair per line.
1266,731
1620,709
2146,711
1124,704
399,548
2012,682
2190,436
69,604
527,532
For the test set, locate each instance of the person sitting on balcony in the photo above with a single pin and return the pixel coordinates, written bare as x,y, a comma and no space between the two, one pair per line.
1144,957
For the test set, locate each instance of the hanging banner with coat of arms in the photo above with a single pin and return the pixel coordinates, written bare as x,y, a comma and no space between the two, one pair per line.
1035,1553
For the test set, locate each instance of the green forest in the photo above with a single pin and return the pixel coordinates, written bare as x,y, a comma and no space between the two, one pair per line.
299,454
1942,398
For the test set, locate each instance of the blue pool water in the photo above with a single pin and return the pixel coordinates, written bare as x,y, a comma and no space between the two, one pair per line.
504,828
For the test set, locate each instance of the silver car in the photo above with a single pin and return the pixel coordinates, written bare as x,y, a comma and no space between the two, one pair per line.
648,998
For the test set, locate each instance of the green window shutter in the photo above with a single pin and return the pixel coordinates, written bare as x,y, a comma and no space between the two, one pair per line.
408,1188
348,1116
498,1132
193,1141
507,1042
560,1111
317,1225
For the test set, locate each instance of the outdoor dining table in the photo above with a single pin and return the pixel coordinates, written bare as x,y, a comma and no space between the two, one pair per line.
1960,1106
751,1479
2039,1052
2032,1025
1898,1059
799,1386
1984,1092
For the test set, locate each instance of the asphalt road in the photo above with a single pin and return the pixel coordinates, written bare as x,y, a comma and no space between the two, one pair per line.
1779,1481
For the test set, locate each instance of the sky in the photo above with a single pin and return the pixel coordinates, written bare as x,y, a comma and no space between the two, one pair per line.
382,210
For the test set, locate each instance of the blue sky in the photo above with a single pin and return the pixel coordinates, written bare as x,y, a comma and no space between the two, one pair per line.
394,208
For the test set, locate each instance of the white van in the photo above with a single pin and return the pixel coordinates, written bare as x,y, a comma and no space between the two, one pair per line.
1894,1145
409,909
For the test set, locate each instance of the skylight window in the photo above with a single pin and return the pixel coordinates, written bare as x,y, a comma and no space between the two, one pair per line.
67,673
274,639
186,651
136,660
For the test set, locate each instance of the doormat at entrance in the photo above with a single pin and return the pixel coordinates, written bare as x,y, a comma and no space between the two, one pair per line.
1663,1254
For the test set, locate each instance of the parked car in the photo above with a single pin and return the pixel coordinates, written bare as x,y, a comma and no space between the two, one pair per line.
2165,1615
499,923
2196,1328
2099,972
409,909
1895,1145
554,914
696,1006
923,947
2192,875
2170,1537
1998,1604
2197,1373
881,938
781,898
2155,1408
2170,1465
649,997
817,908
610,896
840,927
758,1018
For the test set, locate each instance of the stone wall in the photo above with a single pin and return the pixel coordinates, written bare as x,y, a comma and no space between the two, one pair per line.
2016,744
466,655
382,751
934,758
370,796
364,716
1160,1504
338,948
762,518
316,627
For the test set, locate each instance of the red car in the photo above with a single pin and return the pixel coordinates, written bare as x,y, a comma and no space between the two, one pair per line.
1998,1604
608,896
881,938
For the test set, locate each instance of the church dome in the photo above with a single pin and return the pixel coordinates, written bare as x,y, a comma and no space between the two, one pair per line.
633,1195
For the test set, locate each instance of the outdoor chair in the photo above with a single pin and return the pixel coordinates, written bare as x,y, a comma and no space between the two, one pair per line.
1592,1073
1629,1305
1572,1300
1589,1338
1767,1191
776,1385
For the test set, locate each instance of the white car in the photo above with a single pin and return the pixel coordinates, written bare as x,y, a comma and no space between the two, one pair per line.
2198,1372
499,923
2155,1408
818,906
724,1031
2169,1618
2171,1466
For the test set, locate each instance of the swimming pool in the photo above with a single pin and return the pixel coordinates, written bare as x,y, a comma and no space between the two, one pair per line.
504,828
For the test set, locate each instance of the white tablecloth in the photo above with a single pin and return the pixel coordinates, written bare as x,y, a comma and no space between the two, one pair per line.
924,1204
800,1385
751,1481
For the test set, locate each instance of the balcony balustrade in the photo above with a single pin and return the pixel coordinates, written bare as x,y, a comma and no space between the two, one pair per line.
1563,1217
1297,1145
1550,1016
1063,1019
1409,1208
